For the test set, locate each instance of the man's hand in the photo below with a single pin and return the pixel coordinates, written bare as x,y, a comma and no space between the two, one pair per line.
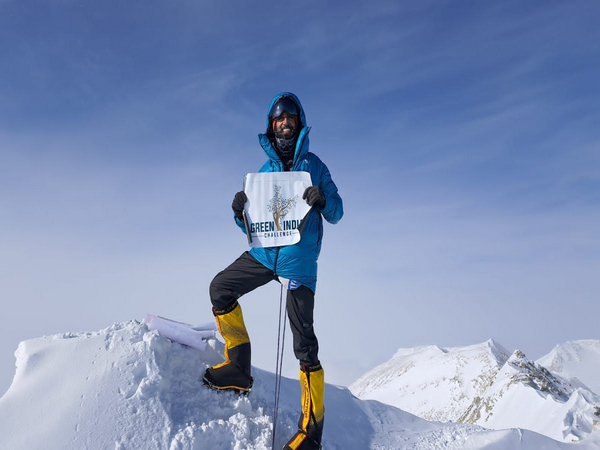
314,196
238,204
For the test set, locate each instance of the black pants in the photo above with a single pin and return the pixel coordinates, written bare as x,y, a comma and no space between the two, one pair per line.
246,274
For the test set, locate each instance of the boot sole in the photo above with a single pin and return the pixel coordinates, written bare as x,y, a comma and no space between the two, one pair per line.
237,389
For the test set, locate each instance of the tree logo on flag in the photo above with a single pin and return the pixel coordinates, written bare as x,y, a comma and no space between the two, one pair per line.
279,206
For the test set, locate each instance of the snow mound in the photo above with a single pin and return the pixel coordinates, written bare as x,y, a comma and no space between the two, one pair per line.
525,394
432,382
126,387
576,361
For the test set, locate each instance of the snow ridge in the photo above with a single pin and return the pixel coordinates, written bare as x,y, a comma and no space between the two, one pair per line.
482,385
527,395
455,374
127,387
576,361
124,388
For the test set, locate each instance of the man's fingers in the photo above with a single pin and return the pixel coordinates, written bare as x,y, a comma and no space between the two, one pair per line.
312,195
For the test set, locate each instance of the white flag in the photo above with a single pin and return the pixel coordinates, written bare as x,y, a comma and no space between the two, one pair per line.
275,208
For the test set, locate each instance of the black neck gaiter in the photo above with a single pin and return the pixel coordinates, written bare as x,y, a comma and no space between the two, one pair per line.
286,149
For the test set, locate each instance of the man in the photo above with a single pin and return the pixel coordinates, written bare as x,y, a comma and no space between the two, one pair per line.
286,144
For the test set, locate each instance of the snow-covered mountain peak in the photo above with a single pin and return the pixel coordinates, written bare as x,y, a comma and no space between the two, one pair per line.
423,350
528,395
486,385
495,346
452,376
577,361
497,350
428,351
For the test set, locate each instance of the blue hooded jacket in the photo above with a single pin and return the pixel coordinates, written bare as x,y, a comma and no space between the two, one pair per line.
299,261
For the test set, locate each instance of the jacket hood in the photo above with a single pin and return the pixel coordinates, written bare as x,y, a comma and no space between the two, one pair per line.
293,96
301,143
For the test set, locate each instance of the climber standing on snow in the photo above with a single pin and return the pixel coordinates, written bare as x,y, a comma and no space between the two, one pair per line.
286,144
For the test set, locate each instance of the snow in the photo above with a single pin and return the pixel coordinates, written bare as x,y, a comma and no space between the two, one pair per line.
480,384
577,361
456,375
127,387
183,333
526,395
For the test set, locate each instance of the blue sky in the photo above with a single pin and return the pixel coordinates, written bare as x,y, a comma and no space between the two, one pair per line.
463,136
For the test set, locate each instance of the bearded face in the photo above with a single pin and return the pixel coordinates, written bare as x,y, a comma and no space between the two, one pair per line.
285,126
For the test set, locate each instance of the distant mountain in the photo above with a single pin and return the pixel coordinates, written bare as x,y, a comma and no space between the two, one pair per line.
576,361
432,382
527,395
128,388
481,384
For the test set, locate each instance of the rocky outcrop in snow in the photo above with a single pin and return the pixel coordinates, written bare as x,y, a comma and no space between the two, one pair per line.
527,395
576,361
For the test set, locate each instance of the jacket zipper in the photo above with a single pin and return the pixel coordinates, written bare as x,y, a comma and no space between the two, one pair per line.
301,144
281,165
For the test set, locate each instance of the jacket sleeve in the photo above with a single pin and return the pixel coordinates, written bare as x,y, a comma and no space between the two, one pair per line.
334,208
240,223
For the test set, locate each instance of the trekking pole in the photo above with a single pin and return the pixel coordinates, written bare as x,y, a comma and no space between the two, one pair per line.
278,364
248,234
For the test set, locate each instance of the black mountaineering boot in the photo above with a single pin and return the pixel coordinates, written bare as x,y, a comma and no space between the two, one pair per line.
234,373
